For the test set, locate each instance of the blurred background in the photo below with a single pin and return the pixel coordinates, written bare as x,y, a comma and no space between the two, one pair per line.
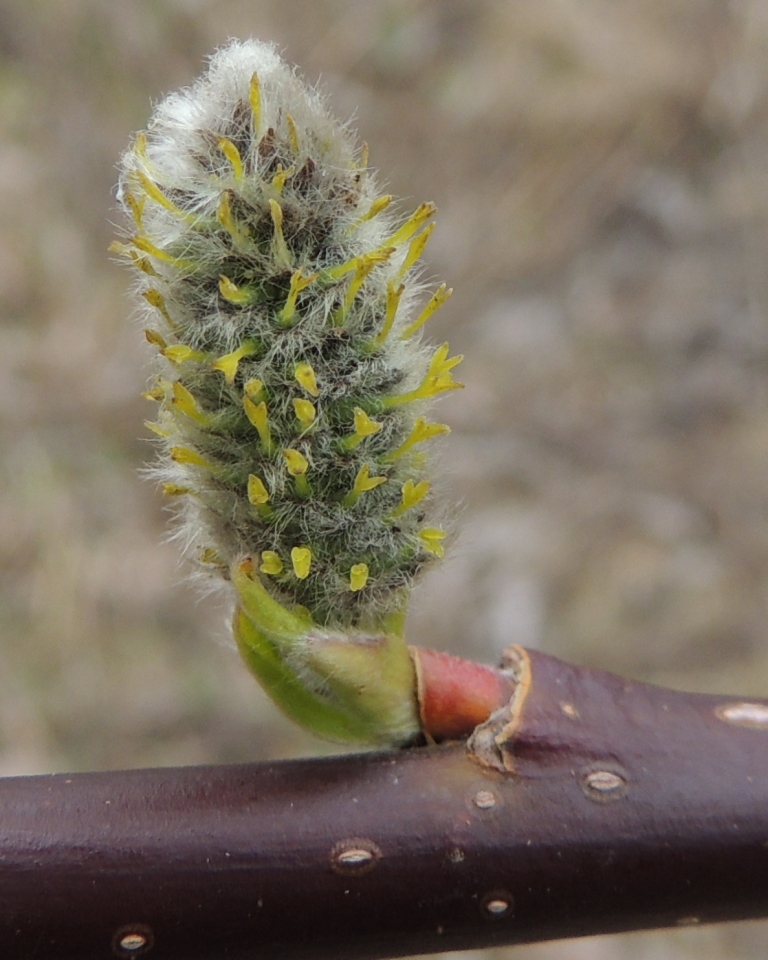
600,170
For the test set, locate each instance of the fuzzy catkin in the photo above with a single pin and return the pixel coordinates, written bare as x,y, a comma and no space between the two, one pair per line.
283,298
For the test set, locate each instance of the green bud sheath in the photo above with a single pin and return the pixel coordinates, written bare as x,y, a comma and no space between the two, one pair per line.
292,383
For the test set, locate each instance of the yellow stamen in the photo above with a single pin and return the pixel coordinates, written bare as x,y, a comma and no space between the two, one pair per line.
305,412
226,218
373,211
437,299
257,414
258,495
301,558
252,388
393,302
271,564
297,467
146,246
415,250
278,181
282,253
160,390
156,339
293,133
437,380
365,265
411,225
431,538
306,378
158,429
363,482
140,145
152,190
210,555
231,292
358,576
421,431
232,154
257,492
180,353
298,283
230,362
155,299
363,261
137,208
175,490
364,427
413,493
186,403
254,95
364,152
187,456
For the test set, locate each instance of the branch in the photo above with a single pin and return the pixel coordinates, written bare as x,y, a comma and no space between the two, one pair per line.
590,804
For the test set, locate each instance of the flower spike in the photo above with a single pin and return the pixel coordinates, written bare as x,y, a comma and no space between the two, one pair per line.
279,286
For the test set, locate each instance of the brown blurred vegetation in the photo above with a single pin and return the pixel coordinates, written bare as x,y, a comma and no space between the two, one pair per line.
600,168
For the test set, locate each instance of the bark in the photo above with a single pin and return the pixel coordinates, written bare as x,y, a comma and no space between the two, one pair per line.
589,804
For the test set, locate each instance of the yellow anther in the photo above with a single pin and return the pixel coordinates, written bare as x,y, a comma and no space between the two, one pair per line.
175,490
358,576
180,353
146,246
421,431
437,299
301,558
156,339
305,412
257,414
155,299
187,456
258,494
231,292
393,302
254,95
306,378
210,555
155,193
432,539
364,427
298,283
437,380
278,181
415,250
293,133
158,429
271,564
252,388
232,154
411,225
381,203
230,362
226,218
413,493
363,482
282,253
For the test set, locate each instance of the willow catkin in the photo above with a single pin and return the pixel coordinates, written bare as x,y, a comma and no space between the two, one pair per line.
282,295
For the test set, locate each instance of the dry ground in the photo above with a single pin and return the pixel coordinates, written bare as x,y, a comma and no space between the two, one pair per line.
600,168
